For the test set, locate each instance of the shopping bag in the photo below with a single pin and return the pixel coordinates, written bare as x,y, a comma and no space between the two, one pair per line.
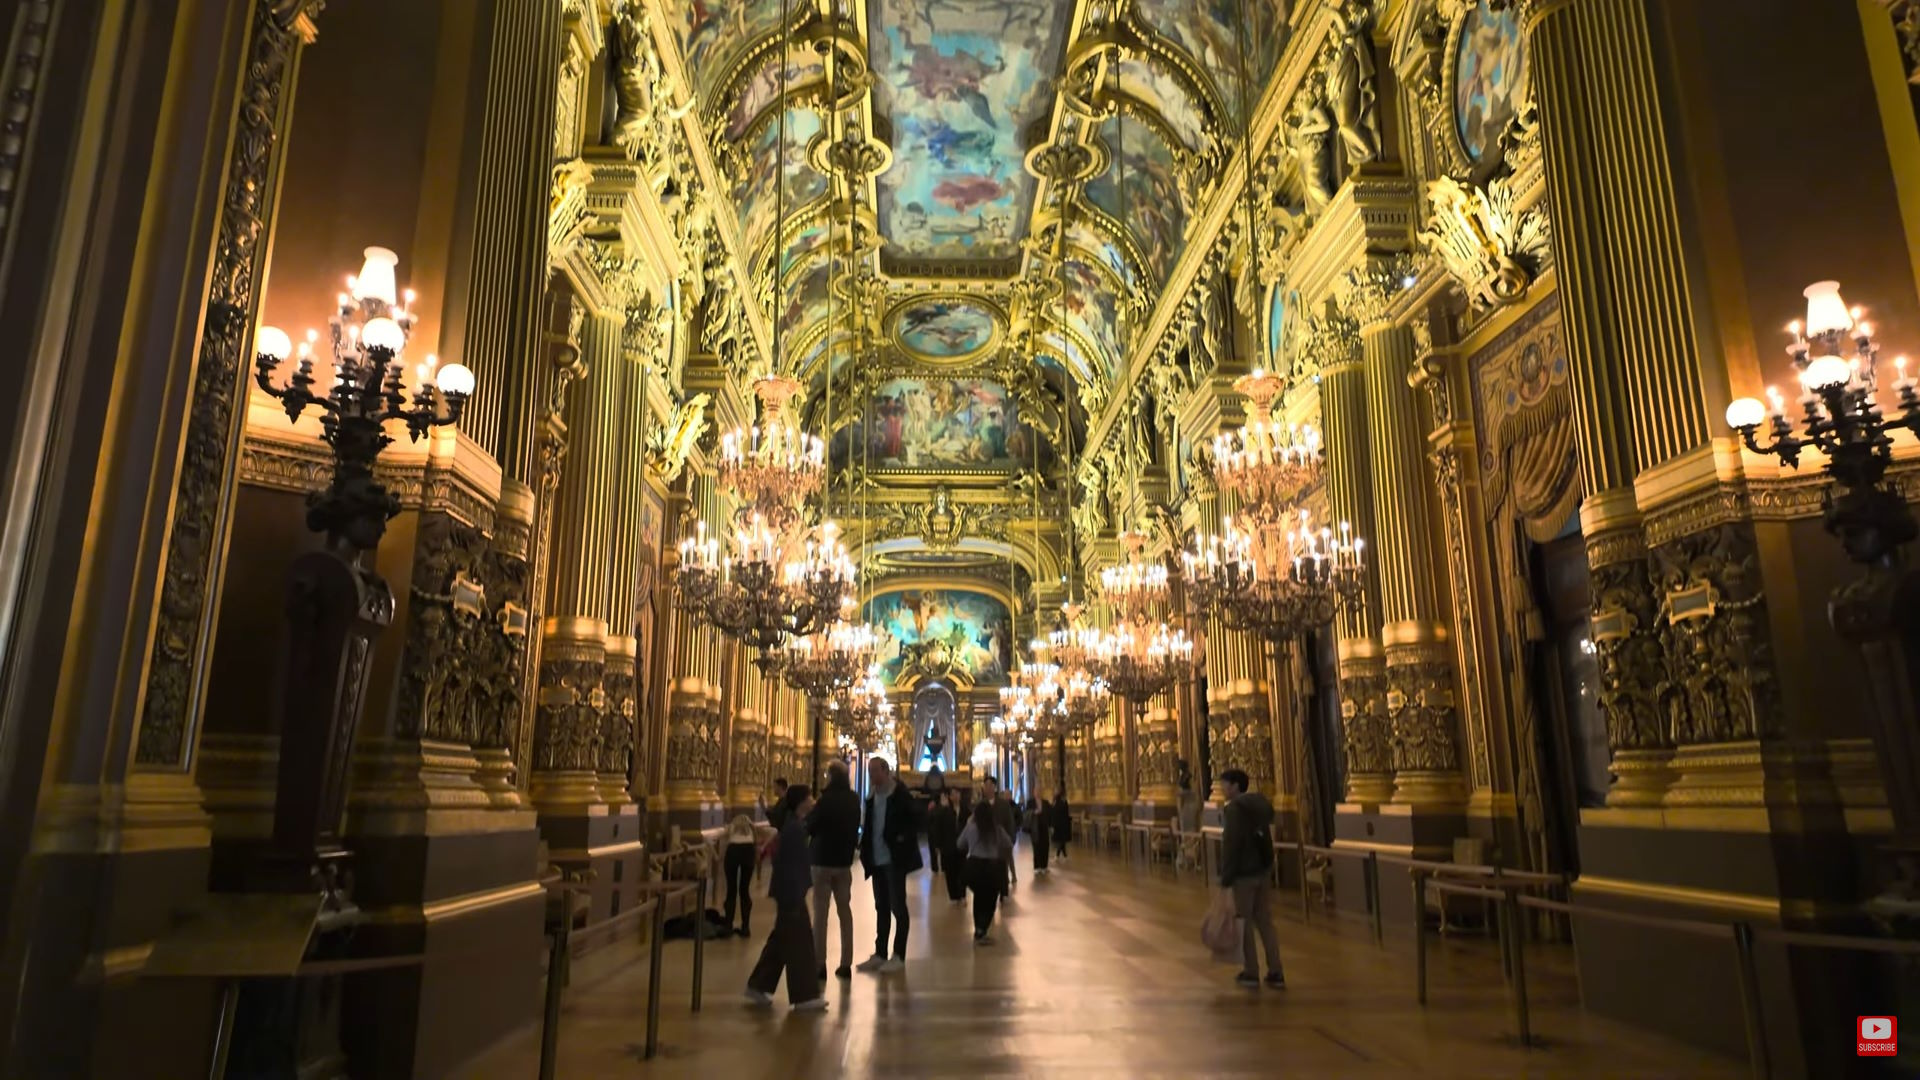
1220,930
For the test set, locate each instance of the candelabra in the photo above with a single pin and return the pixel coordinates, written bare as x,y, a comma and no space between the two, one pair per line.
1265,464
1841,418
1879,612
369,329
337,605
1275,584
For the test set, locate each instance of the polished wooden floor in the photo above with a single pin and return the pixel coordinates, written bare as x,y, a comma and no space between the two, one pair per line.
1098,971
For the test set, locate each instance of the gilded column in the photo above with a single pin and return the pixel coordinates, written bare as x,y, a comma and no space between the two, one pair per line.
1420,695
1343,414
1156,735
1601,182
570,733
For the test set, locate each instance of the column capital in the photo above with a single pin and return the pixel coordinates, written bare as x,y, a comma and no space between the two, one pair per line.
1379,289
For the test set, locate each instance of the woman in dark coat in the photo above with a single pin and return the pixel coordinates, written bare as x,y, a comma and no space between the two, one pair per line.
1062,823
789,949
943,836
1040,827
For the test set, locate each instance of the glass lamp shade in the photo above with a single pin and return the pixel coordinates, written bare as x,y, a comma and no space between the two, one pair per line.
1826,372
384,333
1826,312
272,341
456,379
1746,412
376,276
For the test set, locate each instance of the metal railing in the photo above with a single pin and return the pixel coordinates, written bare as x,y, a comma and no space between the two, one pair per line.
564,943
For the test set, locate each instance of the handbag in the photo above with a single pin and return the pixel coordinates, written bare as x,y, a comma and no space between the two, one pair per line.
1220,929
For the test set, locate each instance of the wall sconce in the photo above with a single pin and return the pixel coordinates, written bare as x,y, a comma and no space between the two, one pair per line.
369,330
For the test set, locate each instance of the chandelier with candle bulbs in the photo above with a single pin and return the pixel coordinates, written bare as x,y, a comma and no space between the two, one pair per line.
862,712
759,595
833,658
1264,463
1031,700
1276,579
1141,654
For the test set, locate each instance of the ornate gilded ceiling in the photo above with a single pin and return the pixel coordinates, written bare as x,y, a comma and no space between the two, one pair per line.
960,100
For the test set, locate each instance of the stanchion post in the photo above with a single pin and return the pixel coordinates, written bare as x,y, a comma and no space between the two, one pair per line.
1306,906
1373,887
700,942
653,974
1516,935
1750,1001
1419,935
558,951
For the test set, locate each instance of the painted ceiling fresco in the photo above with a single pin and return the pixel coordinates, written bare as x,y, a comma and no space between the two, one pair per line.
961,80
712,32
1209,32
1141,189
971,630
944,329
763,88
1092,311
755,197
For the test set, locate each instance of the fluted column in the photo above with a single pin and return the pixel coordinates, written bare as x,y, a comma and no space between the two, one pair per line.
1343,414
1419,663
571,729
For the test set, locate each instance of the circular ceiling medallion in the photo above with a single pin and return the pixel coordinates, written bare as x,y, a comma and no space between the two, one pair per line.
944,329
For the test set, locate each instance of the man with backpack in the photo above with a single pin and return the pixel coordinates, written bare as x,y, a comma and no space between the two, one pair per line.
1246,867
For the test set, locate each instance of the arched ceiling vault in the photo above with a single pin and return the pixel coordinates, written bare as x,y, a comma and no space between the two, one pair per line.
979,199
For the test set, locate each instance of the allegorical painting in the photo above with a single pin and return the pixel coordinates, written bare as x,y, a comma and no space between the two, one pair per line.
1490,71
712,30
1087,238
1093,310
934,423
943,329
1276,327
1168,97
804,297
763,88
961,80
936,631
1209,31
1141,188
755,195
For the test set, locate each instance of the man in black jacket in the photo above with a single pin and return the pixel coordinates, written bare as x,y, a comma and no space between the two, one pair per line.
889,850
834,826
1246,867
943,838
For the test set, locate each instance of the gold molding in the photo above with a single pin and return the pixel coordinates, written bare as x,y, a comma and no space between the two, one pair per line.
1744,903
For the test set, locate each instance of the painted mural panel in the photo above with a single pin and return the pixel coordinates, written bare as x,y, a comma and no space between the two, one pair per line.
1093,310
1209,32
944,329
1168,97
763,88
935,423
961,79
1150,203
1490,69
805,298
1276,327
711,31
1097,243
969,630
755,194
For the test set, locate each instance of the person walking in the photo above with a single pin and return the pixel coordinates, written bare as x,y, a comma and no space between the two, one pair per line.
943,838
1039,830
743,856
1246,867
989,852
1062,824
777,813
789,948
834,826
889,851
1009,823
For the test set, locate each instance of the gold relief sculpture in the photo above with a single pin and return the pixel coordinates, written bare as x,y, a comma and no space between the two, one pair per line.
445,624
671,444
1420,710
1366,730
1351,83
1719,683
1310,132
1906,23
1491,246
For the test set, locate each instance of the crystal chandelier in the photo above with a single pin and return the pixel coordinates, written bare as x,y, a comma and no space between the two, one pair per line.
1032,699
1267,465
773,467
754,598
1273,580
1084,698
862,713
1140,655
831,659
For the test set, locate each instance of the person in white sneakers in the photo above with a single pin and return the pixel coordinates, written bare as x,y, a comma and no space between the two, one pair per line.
889,850
789,948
